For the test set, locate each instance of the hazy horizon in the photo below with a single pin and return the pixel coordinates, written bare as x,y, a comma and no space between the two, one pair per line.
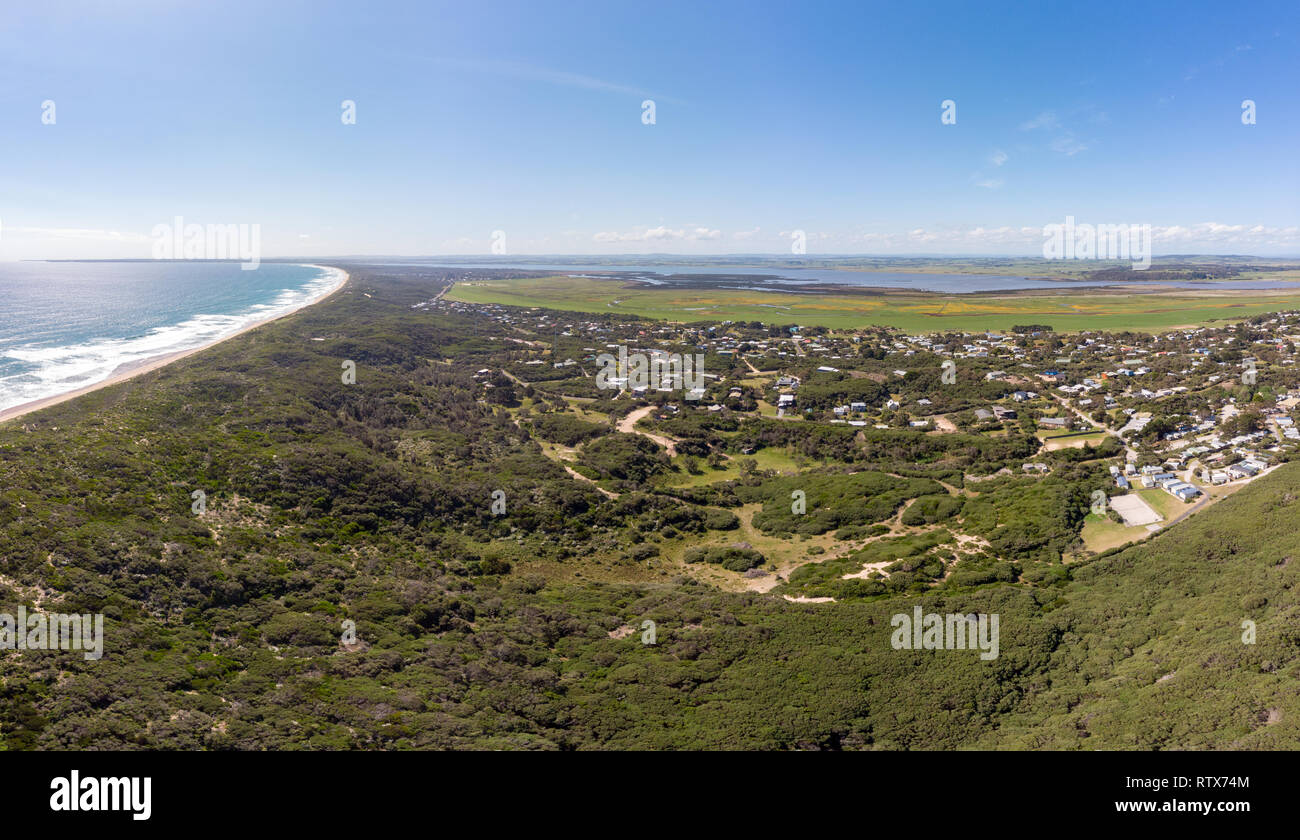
944,130
683,257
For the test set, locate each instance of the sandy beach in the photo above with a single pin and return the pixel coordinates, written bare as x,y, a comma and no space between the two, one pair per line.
132,369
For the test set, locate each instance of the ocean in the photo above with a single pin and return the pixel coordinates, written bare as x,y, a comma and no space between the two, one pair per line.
66,325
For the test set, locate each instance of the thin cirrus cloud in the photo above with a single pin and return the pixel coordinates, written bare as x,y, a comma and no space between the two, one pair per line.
546,75
1064,142
1069,145
1046,119
996,159
1218,63
86,234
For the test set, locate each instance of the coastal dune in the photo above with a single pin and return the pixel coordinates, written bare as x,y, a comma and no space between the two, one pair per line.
132,369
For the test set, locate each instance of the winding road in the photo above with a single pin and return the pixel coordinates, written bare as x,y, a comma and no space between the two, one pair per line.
628,426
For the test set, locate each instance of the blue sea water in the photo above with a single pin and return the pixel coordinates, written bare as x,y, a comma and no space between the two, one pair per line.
66,325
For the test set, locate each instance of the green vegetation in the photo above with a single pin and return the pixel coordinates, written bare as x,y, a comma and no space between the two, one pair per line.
928,510
916,312
734,558
372,503
565,429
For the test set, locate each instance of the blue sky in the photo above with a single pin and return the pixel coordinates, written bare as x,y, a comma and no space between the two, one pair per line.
526,117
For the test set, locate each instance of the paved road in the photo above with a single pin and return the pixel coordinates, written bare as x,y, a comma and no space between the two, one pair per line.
1205,500
1101,427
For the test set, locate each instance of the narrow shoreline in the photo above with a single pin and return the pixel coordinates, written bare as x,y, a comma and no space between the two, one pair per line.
133,369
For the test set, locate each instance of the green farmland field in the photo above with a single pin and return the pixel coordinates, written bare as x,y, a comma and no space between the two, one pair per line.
1064,312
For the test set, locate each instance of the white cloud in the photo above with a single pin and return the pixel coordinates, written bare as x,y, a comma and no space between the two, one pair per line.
1047,119
532,73
87,234
1069,145
1217,233
1064,142
658,234
1190,238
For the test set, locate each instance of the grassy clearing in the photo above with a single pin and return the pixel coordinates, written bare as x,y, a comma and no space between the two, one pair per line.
1099,533
1072,440
1151,311
1164,504
783,555
779,460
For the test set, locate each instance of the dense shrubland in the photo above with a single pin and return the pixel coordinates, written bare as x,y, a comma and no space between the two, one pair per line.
372,504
